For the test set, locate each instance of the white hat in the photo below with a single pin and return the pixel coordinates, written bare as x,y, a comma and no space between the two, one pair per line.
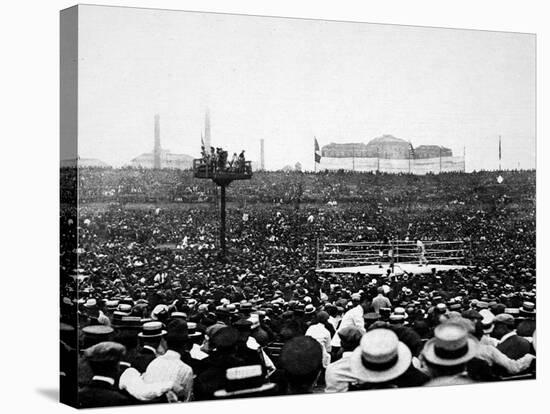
192,330
309,309
249,374
450,346
158,310
398,314
151,330
380,357
255,319
488,320
124,307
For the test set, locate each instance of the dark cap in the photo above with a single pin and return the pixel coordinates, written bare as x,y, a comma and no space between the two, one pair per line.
301,356
243,325
225,338
472,314
105,351
350,334
505,319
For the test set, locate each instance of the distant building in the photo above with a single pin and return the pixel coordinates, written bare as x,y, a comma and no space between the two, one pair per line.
333,150
391,155
386,147
431,151
167,160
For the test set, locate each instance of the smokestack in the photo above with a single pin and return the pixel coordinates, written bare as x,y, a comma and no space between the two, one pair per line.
156,150
207,138
262,165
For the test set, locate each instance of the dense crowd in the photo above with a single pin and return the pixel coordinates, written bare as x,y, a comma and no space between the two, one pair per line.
160,318
146,185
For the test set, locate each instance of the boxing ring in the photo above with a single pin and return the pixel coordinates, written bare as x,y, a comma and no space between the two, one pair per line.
397,256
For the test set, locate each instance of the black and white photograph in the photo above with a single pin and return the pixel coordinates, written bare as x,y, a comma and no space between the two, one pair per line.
257,206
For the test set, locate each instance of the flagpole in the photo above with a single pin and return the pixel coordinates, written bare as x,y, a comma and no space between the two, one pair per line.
410,154
499,153
314,155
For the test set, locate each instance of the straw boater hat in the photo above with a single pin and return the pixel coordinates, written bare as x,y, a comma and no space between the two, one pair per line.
380,357
309,309
178,315
440,308
512,311
111,304
244,380
398,315
152,330
130,323
450,346
116,318
125,307
98,331
90,304
488,320
527,308
192,330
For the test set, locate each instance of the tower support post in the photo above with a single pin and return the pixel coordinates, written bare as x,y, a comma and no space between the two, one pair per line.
222,221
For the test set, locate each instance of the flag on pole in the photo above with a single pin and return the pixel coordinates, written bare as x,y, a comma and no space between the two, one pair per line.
202,140
317,152
499,149
411,150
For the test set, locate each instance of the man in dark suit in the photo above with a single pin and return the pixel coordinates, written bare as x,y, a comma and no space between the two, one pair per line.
227,352
511,345
103,359
152,341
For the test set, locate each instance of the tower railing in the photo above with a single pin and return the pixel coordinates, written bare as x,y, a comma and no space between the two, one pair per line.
203,169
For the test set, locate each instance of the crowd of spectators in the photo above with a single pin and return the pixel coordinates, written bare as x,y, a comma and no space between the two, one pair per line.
141,184
160,318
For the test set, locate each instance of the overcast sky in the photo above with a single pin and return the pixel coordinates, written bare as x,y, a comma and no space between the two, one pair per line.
288,80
